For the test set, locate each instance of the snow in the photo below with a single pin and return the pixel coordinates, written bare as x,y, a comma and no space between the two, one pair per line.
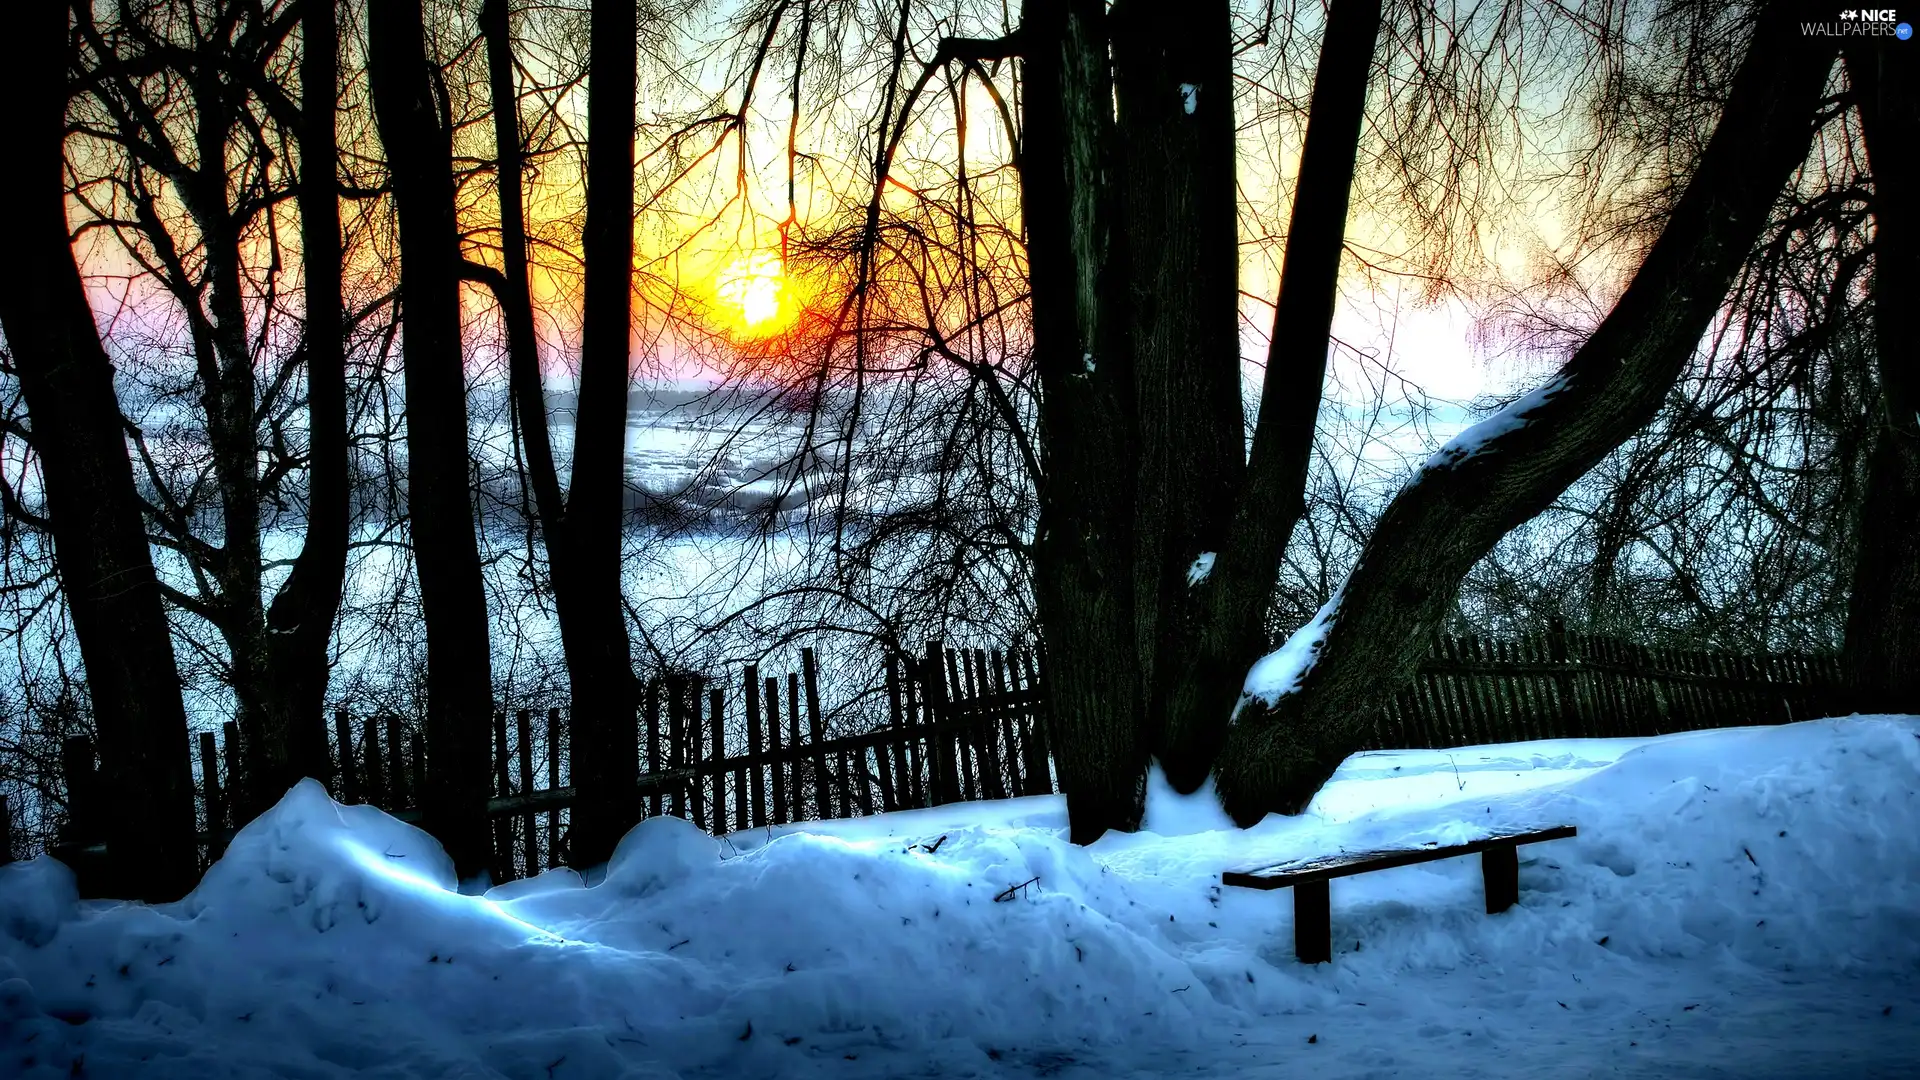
1476,439
1739,903
1202,566
1282,671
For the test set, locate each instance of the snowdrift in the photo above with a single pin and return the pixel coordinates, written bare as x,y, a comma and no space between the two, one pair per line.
1741,902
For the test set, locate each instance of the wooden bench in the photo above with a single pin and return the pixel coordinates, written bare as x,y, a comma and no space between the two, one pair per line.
1308,878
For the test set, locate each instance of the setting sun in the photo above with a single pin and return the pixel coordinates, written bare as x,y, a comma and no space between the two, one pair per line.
754,285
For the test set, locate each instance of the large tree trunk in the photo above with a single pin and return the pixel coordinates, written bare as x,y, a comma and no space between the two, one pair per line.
1882,650
1308,705
99,538
439,505
1228,608
1083,572
593,625
300,620
1173,72
512,289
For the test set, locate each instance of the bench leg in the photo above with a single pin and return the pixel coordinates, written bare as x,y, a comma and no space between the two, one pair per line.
1312,923
1500,867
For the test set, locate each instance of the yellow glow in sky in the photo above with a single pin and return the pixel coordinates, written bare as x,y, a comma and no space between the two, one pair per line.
753,284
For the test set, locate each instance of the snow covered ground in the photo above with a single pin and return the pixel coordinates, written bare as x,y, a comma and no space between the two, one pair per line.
1740,903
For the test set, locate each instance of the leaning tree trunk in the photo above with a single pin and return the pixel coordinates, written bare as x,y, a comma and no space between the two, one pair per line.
1083,572
1882,649
300,620
99,538
1228,607
1173,74
1307,707
453,599
593,626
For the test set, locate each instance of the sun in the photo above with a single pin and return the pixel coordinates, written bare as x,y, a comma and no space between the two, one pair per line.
755,286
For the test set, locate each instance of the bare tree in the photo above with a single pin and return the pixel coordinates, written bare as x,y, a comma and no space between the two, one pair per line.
413,125
1883,618
1300,718
100,542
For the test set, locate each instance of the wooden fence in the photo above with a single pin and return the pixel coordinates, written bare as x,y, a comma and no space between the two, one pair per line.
1564,684
964,724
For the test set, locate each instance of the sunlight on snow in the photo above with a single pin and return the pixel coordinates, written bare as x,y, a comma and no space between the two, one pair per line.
380,866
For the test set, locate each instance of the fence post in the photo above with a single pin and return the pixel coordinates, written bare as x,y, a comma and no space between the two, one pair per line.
716,713
675,749
1040,739
349,778
691,754
1563,691
794,743
210,794
750,700
396,764
530,844
236,775
418,749
892,757
991,781
919,751
817,729
778,813
76,767
503,825
376,766
962,737
934,686
1015,785
553,781
653,742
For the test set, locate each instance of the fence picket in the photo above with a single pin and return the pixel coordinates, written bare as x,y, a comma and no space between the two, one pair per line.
397,765
654,763
553,781
691,755
757,779
1007,725
823,785
717,713
343,736
781,804
376,771
946,787
209,793
529,837
502,826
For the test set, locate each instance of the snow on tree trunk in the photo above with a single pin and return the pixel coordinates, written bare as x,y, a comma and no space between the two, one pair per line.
1459,505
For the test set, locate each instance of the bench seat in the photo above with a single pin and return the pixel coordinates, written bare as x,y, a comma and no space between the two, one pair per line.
1308,878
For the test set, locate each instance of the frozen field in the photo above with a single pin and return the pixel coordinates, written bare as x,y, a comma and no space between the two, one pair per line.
1739,903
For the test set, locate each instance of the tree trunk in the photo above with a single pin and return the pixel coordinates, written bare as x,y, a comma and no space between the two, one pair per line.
439,506
1232,601
512,290
593,625
1173,70
1083,570
300,620
1304,707
1882,649
99,537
